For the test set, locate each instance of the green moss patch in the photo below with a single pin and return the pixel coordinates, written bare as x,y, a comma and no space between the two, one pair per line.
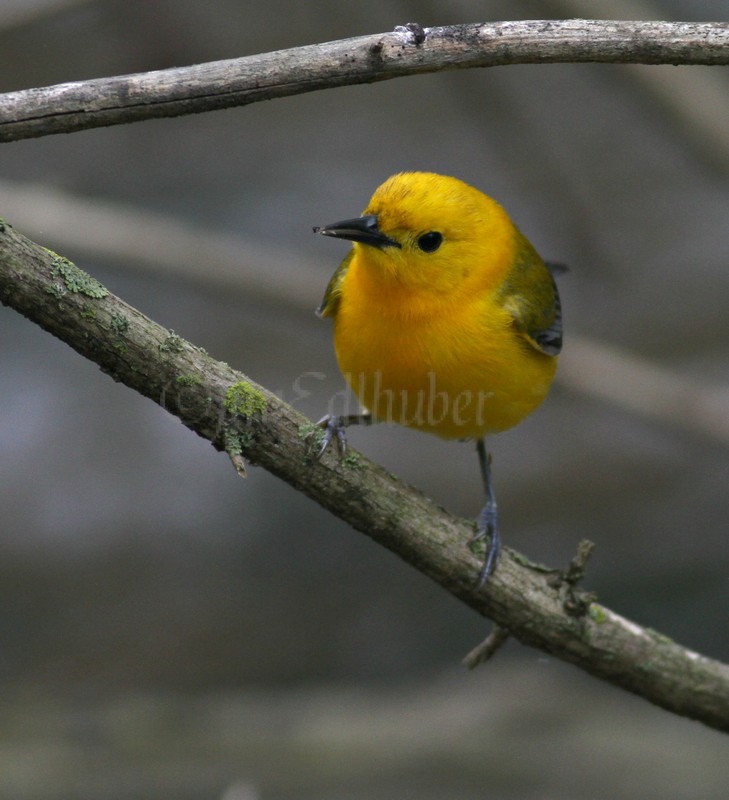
75,280
244,399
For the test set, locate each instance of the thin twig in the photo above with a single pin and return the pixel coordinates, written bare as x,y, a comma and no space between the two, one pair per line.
409,50
487,649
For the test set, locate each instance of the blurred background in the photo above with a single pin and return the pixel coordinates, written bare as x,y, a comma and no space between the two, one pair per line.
170,631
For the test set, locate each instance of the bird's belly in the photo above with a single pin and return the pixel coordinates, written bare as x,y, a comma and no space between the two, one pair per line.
441,378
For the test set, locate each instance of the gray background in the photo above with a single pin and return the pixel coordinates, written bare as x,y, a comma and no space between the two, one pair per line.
168,630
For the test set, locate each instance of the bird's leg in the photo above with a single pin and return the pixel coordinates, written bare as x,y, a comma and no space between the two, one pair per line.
487,522
335,426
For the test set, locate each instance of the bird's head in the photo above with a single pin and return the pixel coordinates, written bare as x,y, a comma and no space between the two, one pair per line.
431,233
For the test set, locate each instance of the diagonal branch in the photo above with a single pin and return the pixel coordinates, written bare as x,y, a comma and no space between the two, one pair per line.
238,416
408,50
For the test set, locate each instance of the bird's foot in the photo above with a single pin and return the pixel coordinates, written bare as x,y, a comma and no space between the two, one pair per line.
487,527
334,427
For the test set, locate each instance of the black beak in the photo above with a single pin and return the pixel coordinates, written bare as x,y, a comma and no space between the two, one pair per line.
360,229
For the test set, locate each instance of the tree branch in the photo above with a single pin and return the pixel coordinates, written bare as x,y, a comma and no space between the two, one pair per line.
408,50
238,416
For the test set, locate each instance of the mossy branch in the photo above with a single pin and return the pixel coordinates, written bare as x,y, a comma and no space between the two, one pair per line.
408,50
238,416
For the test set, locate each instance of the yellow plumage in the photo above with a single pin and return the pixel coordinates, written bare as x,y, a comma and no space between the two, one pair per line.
460,341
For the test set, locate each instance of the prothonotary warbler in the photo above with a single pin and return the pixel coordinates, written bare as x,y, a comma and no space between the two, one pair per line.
445,319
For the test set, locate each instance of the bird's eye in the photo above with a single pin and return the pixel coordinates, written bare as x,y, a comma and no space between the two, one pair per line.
430,242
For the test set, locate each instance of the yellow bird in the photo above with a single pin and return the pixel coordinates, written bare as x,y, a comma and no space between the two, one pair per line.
445,319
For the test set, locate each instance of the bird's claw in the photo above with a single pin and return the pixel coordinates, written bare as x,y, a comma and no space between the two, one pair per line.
334,428
487,528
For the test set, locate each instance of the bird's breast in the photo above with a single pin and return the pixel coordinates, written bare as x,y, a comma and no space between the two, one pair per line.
458,370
